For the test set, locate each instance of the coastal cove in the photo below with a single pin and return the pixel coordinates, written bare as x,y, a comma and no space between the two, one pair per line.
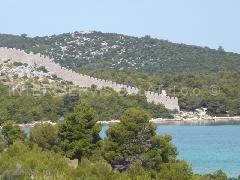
208,147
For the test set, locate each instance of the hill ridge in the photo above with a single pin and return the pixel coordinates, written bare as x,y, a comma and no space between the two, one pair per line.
97,50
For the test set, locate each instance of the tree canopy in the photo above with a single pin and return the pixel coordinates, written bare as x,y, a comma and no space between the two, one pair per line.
44,135
12,133
134,139
79,133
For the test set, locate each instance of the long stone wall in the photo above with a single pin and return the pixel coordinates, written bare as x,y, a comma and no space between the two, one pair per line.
80,79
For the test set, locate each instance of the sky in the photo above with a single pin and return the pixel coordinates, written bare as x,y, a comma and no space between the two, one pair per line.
211,23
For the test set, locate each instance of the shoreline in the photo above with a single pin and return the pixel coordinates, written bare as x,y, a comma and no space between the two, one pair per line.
183,121
29,125
189,121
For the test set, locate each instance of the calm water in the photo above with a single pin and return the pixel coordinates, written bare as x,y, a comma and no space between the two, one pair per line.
207,148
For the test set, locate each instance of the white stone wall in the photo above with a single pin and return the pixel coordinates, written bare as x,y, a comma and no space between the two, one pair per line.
80,79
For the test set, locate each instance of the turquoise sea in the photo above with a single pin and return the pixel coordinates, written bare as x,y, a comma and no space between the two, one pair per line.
207,147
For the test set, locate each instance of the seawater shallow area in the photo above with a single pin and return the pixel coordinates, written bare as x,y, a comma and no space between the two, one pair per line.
208,147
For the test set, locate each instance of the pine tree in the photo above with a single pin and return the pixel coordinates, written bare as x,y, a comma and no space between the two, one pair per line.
134,139
79,134
44,135
11,133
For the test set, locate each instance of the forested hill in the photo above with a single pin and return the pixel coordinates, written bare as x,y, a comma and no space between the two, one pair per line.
88,50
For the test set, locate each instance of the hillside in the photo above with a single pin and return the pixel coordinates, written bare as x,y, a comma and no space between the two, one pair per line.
81,80
33,92
96,50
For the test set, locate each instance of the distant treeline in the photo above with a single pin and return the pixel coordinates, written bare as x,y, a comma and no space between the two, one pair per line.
219,92
24,108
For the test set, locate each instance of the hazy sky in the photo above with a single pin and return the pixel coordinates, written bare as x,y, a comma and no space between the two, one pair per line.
201,22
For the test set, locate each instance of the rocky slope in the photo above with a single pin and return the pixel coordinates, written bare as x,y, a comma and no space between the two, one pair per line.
33,79
80,80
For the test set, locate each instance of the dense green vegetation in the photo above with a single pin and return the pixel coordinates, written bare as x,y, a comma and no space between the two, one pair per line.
11,132
109,104
148,63
24,107
79,134
107,50
132,150
219,92
200,77
22,162
134,139
45,136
